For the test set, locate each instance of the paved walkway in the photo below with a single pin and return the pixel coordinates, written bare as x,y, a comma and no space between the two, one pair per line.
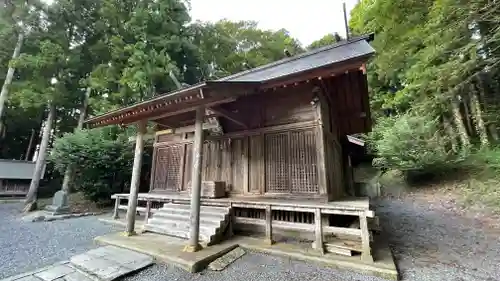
101,264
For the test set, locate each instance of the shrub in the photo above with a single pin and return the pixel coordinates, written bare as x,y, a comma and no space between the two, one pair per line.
102,157
410,143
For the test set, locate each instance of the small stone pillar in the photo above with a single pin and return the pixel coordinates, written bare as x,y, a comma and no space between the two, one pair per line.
136,178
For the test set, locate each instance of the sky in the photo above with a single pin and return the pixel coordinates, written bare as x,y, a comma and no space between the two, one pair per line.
305,20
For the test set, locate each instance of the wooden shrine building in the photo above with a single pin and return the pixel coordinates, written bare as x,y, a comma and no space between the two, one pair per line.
268,145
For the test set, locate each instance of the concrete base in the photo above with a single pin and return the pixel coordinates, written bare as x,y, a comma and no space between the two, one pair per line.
383,266
168,249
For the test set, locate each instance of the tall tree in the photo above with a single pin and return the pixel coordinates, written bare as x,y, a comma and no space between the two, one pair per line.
12,15
229,47
326,40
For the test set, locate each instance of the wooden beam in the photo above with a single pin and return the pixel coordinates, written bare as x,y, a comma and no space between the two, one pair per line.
205,102
230,116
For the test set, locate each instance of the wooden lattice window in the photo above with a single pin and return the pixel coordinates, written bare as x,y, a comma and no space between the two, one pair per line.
290,161
304,178
168,168
277,170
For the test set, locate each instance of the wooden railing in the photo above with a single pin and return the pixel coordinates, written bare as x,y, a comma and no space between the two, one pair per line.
318,209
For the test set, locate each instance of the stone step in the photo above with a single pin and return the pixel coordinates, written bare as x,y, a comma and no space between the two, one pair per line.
174,220
203,209
186,213
181,224
205,234
205,219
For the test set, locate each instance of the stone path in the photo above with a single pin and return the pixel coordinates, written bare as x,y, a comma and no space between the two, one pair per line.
101,264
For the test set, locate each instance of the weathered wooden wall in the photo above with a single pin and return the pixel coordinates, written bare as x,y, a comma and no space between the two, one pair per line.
350,107
291,146
282,162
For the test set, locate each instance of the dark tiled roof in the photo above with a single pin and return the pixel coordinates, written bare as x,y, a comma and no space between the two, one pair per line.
328,55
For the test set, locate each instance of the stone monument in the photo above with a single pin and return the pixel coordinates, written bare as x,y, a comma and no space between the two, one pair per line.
59,203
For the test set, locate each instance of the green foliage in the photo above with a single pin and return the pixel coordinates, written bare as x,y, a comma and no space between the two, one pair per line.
229,47
103,159
410,143
325,41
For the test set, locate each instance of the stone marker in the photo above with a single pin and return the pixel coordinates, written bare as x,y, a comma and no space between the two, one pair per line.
227,259
59,203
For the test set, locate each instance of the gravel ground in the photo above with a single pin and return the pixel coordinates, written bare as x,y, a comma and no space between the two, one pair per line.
253,267
26,246
431,241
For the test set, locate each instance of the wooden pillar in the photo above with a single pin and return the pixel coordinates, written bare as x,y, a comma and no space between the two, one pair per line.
197,157
136,178
366,255
320,152
269,225
318,230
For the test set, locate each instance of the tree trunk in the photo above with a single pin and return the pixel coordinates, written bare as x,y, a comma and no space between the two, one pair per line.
30,145
467,116
492,128
478,117
459,122
451,134
31,198
8,79
70,170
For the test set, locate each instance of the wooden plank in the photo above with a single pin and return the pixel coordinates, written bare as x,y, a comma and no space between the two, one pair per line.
320,153
245,165
351,232
237,173
366,255
181,167
257,174
218,160
226,164
153,168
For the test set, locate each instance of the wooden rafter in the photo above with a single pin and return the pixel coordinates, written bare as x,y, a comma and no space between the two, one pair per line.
230,116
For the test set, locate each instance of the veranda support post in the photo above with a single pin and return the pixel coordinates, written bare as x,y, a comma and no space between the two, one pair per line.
136,178
194,230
